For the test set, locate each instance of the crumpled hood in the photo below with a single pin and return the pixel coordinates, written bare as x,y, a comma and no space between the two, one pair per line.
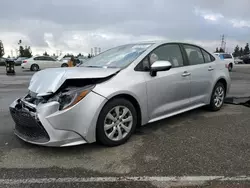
49,81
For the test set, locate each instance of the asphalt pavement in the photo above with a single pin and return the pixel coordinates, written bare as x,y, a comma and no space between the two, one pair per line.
197,149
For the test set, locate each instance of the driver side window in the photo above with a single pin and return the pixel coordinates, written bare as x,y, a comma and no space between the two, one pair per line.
167,52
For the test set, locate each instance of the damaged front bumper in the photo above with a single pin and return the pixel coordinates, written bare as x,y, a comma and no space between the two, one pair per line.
44,124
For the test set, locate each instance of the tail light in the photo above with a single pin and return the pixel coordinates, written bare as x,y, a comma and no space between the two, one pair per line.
24,61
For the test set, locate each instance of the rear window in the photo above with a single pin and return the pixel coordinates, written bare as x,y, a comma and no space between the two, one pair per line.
225,56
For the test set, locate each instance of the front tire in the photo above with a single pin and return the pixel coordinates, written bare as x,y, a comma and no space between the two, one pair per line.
217,98
34,67
116,123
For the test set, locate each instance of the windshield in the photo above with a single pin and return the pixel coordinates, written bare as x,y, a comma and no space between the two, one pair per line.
118,57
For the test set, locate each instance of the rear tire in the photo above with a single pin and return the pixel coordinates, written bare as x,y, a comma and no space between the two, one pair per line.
116,122
34,67
218,97
64,65
230,67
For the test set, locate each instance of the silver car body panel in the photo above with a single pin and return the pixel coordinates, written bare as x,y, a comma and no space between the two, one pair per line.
167,94
63,127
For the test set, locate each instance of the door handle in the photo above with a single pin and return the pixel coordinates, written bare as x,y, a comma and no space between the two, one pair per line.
186,74
210,69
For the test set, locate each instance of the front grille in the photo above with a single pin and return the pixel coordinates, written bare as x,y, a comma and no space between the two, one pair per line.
28,127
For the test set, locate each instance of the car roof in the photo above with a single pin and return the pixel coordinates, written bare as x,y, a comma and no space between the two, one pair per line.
160,42
163,42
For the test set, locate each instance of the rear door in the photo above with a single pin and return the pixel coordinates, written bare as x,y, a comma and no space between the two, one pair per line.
202,72
39,61
50,62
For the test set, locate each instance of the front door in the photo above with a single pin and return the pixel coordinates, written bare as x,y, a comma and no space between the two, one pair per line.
169,91
40,62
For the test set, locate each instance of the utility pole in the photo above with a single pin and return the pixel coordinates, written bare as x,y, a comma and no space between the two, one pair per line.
92,53
223,42
95,49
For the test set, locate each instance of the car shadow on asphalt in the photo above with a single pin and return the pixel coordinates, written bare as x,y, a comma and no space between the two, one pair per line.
140,131
245,101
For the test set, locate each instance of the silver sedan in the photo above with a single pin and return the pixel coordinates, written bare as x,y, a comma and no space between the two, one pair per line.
111,94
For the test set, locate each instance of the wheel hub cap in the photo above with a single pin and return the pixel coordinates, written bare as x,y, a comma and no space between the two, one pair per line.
218,96
118,123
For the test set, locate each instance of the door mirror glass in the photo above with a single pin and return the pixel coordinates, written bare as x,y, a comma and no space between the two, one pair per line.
159,66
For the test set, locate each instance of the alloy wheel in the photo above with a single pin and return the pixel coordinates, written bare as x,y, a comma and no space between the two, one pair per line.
118,123
219,95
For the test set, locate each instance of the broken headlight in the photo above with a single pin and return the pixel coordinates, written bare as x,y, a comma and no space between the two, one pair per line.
71,96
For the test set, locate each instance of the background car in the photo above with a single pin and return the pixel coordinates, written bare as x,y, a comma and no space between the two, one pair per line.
2,61
19,60
246,59
65,59
42,62
237,60
227,57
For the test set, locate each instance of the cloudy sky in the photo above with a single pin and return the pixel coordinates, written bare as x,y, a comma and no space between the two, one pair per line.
77,25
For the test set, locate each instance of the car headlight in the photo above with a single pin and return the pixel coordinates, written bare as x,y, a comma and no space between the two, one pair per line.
71,96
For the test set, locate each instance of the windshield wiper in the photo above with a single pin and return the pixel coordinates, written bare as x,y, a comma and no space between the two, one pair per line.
105,67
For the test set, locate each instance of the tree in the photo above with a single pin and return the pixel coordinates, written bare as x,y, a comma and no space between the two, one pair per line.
217,50
45,54
236,52
221,50
246,49
1,49
89,56
54,54
25,52
79,55
21,51
241,52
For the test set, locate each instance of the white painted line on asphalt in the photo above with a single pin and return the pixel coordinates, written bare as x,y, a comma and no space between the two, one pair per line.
181,179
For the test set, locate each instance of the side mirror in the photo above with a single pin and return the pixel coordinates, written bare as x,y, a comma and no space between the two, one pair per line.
159,66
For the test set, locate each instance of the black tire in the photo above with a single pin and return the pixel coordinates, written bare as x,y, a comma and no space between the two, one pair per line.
34,67
212,106
100,133
64,65
230,67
